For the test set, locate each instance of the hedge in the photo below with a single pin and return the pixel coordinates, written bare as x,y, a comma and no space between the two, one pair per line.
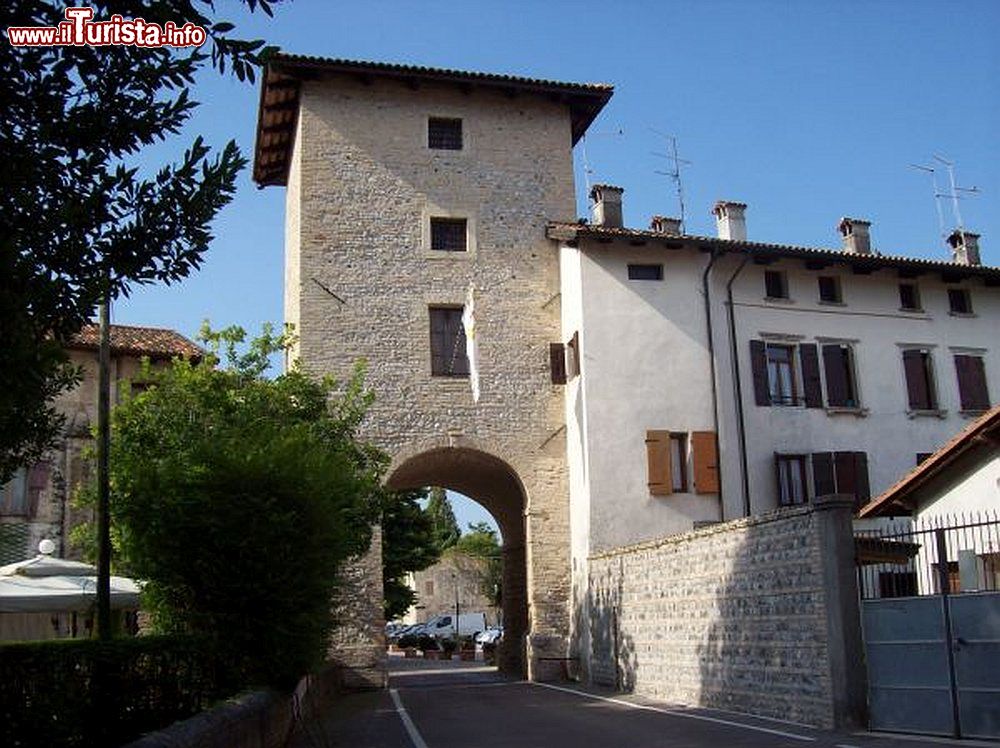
92,693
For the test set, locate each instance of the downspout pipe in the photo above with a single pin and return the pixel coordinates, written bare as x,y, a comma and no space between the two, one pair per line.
734,355
711,364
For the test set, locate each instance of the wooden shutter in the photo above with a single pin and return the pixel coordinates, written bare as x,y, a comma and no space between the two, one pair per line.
658,471
972,382
37,481
862,491
916,379
824,482
835,367
706,462
810,375
758,361
557,362
439,323
844,465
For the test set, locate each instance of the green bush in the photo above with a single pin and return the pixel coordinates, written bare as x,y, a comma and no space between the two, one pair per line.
236,498
92,693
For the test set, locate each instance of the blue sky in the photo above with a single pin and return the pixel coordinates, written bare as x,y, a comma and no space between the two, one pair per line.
806,111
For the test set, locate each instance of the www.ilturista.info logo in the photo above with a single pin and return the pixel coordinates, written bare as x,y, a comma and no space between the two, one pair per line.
79,30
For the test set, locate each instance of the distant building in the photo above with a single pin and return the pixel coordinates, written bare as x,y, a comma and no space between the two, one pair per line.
457,579
35,504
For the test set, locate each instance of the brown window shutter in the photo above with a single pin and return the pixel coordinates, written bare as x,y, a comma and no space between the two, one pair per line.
972,382
862,491
844,465
557,362
758,361
916,379
810,375
824,483
658,469
706,462
835,367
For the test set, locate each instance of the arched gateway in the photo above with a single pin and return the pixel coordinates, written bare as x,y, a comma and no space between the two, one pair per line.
406,187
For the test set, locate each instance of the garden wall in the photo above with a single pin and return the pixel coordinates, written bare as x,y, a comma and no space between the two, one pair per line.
759,615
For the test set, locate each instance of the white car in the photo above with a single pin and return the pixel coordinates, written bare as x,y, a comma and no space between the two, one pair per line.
490,636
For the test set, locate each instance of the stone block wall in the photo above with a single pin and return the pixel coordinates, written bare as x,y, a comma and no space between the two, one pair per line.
740,616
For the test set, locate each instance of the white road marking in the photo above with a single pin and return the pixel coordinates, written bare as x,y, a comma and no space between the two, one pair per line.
442,671
674,713
411,729
845,745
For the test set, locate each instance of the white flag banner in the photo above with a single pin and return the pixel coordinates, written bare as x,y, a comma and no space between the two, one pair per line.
471,348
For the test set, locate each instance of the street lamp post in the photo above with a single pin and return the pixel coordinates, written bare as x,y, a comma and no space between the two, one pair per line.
454,576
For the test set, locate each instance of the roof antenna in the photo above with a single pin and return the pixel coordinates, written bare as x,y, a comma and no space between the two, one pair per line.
674,172
952,194
587,169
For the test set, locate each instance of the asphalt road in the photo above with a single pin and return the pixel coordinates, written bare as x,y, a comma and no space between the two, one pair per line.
465,705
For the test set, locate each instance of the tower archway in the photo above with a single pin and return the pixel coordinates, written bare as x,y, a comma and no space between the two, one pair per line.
495,485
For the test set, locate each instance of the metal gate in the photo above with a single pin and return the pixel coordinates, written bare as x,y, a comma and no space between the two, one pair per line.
931,621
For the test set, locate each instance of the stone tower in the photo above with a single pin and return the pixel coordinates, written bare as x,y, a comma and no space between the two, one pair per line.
405,186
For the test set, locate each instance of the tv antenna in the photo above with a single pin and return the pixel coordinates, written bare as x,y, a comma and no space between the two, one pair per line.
954,193
587,169
674,171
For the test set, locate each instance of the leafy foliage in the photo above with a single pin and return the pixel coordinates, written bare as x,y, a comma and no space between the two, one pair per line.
481,542
446,530
236,498
77,218
408,544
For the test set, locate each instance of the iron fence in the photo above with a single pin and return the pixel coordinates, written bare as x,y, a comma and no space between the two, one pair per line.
951,554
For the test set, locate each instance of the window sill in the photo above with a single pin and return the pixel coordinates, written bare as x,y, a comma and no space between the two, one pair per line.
933,413
778,300
962,314
821,302
972,413
908,310
839,410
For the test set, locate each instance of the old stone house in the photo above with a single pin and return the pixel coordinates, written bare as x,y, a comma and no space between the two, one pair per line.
454,581
36,502
634,384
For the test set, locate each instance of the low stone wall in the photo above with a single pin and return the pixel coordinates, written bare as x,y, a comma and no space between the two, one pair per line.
754,616
261,719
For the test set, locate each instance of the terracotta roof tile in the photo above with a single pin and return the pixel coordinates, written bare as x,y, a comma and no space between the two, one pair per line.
892,501
154,342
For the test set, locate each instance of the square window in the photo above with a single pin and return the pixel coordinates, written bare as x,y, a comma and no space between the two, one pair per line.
444,133
829,289
678,462
645,272
791,471
448,357
959,301
780,374
909,297
775,284
449,234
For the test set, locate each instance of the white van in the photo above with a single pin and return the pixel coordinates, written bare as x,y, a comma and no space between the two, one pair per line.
443,626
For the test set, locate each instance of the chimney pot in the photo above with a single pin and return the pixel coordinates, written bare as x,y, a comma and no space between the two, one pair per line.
666,225
730,220
964,247
857,239
607,207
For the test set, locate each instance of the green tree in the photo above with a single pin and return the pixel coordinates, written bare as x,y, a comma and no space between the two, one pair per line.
446,530
481,542
235,498
408,544
78,219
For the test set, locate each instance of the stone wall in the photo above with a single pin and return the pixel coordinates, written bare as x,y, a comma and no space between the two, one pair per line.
754,615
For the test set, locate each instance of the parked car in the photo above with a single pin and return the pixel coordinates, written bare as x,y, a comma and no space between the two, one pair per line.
491,635
443,626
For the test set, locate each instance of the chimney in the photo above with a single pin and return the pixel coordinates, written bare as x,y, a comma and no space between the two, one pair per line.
607,207
666,225
857,241
964,247
730,221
